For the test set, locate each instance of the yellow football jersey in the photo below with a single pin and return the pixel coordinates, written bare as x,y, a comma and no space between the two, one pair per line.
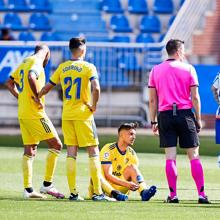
27,107
111,154
74,77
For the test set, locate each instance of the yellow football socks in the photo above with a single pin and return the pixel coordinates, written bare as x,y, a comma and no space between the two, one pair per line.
106,186
142,187
27,170
95,173
51,164
71,174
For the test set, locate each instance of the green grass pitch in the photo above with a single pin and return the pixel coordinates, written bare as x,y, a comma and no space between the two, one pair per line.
14,207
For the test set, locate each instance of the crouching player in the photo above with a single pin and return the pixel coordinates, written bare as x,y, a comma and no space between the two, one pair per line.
120,167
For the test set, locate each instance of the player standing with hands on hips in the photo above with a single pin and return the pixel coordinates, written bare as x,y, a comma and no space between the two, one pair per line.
35,125
173,92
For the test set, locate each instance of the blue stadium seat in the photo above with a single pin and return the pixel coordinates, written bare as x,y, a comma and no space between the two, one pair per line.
40,5
49,36
163,6
122,39
145,38
26,36
2,6
150,24
119,23
39,22
13,21
16,5
112,6
137,6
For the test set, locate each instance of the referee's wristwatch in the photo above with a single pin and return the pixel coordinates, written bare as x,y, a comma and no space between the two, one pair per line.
153,122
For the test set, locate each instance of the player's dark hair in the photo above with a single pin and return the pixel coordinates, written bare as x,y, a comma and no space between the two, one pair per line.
38,48
173,46
76,43
128,126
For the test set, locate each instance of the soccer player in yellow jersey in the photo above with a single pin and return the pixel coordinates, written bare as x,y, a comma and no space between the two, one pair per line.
120,165
76,77
25,83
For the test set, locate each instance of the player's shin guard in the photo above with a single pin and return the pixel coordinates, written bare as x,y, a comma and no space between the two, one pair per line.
95,173
51,164
71,174
171,173
27,170
197,174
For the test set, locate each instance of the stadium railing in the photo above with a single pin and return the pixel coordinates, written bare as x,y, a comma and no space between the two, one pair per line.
188,19
123,70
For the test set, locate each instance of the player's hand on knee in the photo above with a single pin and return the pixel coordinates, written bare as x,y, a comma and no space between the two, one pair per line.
133,186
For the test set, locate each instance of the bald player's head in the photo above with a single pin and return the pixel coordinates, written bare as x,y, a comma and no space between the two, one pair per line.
44,52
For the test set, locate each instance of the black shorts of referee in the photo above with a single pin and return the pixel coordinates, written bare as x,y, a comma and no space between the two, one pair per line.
181,126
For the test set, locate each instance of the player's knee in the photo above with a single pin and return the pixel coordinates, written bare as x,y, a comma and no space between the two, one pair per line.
59,145
30,150
131,167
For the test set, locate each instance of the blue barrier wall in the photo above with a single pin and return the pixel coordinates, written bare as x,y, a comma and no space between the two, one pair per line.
206,75
11,57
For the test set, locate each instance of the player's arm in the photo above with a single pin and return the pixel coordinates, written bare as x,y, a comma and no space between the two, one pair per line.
215,94
32,79
95,94
46,89
107,168
11,85
153,100
196,105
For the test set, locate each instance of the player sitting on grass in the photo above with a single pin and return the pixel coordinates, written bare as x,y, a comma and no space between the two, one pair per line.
120,167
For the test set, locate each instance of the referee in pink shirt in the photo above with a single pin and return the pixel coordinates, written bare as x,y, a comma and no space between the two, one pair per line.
173,92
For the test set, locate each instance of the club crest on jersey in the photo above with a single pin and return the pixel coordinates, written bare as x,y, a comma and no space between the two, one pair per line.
106,155
119,167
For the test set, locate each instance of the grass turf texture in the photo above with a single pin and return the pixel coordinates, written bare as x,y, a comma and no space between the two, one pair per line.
13,206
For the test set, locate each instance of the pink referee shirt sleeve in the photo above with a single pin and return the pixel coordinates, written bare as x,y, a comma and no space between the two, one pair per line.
151,83
194,77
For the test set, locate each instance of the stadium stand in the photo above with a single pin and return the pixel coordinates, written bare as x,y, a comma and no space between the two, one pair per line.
2,6
40,6
150,24
137,7
49,36
20,5
145,38
121,38
13,21
112,6
163,6
26,36
141,23
120,23
39,22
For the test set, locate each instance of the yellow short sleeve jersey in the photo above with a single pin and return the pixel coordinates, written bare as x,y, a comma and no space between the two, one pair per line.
27,108
111,154
74,77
